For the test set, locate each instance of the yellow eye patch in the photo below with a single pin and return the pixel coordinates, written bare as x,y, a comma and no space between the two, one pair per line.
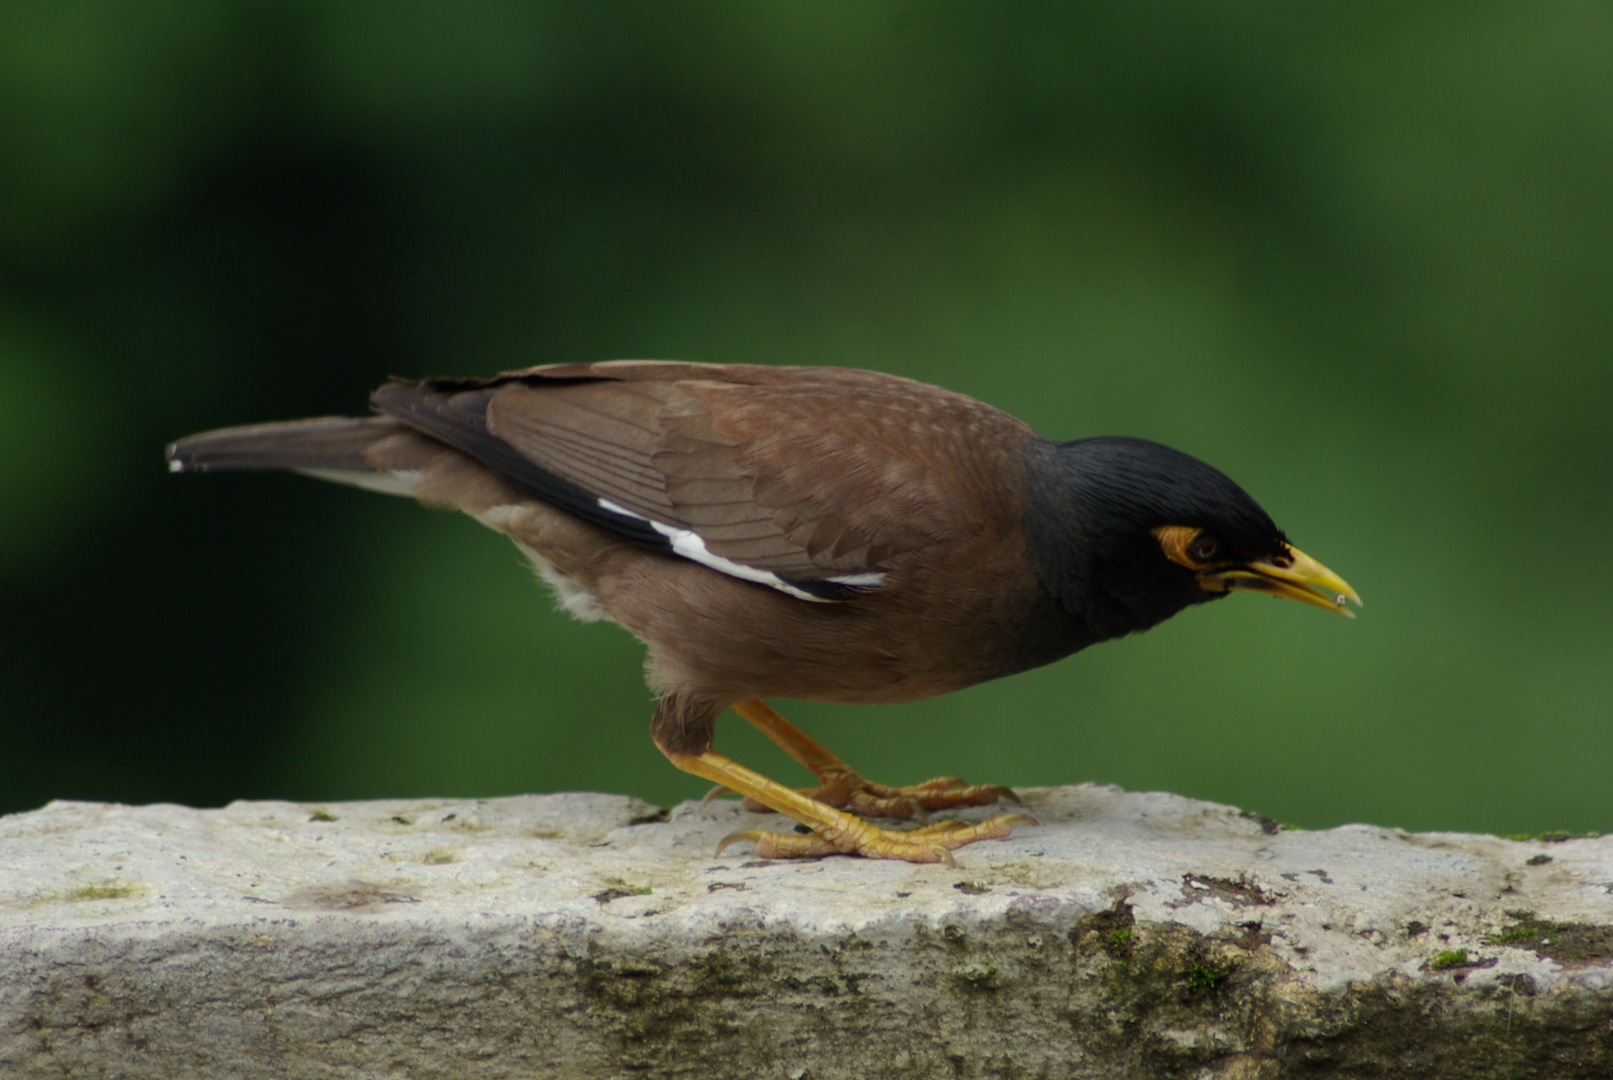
1176,542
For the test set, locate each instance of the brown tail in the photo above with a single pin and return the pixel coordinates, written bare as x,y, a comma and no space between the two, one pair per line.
324,443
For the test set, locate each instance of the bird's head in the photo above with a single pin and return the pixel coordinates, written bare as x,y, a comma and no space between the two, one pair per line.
1160,530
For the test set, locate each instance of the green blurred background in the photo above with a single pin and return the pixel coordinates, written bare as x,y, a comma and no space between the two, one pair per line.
1360,257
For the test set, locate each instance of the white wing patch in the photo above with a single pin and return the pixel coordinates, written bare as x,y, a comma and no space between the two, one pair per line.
692,546
861,581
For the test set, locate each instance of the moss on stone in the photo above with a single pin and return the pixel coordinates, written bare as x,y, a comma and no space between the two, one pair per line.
1566,943
110,890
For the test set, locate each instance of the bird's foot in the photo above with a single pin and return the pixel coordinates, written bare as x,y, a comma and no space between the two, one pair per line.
831,830
926,844
845,789
840,786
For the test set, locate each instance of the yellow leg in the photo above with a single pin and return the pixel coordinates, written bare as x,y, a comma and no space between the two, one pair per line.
840,786
834,830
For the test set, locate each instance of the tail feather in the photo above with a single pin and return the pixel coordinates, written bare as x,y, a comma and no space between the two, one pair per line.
326,444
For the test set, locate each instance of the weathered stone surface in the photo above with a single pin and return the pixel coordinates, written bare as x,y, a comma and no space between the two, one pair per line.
1130,935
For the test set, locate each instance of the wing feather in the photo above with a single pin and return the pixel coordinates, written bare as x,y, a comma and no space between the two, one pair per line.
810,474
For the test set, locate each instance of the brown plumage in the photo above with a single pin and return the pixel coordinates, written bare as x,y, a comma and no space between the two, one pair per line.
814,533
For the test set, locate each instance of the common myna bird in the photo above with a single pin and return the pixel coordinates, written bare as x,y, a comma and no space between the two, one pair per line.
805,532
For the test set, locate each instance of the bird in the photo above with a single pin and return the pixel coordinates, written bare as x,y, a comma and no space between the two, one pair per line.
810,533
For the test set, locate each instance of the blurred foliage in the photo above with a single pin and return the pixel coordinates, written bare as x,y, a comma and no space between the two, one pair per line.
1359,256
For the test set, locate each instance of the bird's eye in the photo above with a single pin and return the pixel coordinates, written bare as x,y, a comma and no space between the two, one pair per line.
1204,548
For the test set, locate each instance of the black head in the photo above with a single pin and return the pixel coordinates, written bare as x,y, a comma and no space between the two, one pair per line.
1125,533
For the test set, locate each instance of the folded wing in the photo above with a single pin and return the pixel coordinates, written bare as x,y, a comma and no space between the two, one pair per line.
804,479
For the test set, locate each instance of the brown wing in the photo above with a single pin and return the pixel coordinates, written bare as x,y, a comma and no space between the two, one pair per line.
810,474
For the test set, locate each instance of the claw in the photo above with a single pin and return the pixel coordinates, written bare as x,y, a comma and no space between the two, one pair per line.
751,835
720,790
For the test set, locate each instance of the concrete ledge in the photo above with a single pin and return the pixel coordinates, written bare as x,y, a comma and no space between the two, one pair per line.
1131,935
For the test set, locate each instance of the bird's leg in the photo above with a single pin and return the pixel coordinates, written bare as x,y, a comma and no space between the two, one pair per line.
682,729
840,786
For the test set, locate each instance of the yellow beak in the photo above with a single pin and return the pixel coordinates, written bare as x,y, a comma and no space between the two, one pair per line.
1303,579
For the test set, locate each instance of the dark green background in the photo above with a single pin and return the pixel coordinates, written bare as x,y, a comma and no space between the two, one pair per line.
1360,257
